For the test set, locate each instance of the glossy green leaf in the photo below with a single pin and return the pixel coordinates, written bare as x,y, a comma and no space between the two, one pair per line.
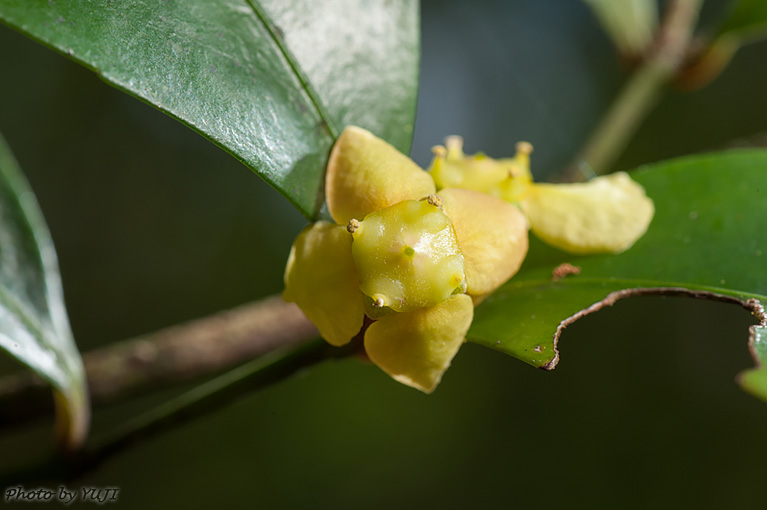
361,57
34,327
706,240
271,81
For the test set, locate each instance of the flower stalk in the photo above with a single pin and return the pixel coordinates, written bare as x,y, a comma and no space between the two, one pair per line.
639,96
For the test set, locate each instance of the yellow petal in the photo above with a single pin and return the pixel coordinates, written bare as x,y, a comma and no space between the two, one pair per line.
492,235
415,348
321,279
366,174
605,215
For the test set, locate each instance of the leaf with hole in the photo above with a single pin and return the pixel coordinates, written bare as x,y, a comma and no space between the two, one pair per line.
34,327
706,240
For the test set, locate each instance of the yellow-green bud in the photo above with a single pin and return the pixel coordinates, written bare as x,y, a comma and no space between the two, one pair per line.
508,179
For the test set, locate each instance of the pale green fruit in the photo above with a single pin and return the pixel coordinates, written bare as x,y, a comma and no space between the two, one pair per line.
407,255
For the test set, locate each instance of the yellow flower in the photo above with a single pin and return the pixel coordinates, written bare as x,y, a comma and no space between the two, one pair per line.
407,259
605,215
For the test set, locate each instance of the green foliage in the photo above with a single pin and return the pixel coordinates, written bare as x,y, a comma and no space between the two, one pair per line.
747,20
34,327
706,236
271,83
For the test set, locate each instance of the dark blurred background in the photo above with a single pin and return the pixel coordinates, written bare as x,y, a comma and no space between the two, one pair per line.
154,225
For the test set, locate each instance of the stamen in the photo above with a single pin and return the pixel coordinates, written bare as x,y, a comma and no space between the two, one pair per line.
439,151
525,147
352,226
434,200
454,146
454,142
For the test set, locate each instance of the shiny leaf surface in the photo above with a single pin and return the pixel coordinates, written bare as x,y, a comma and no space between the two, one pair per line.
271,82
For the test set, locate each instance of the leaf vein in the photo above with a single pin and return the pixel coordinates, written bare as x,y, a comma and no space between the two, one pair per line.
296,68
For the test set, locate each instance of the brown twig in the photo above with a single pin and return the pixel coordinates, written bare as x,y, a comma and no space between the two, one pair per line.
176,354
201,400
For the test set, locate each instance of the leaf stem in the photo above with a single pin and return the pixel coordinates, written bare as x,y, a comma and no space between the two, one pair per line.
640,94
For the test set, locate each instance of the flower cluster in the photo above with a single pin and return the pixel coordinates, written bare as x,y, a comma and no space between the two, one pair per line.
411,252
408,259
604,215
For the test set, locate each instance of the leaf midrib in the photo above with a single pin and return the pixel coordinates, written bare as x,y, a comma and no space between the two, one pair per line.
295,67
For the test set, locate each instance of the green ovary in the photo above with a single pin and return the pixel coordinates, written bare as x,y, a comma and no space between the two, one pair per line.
407,256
